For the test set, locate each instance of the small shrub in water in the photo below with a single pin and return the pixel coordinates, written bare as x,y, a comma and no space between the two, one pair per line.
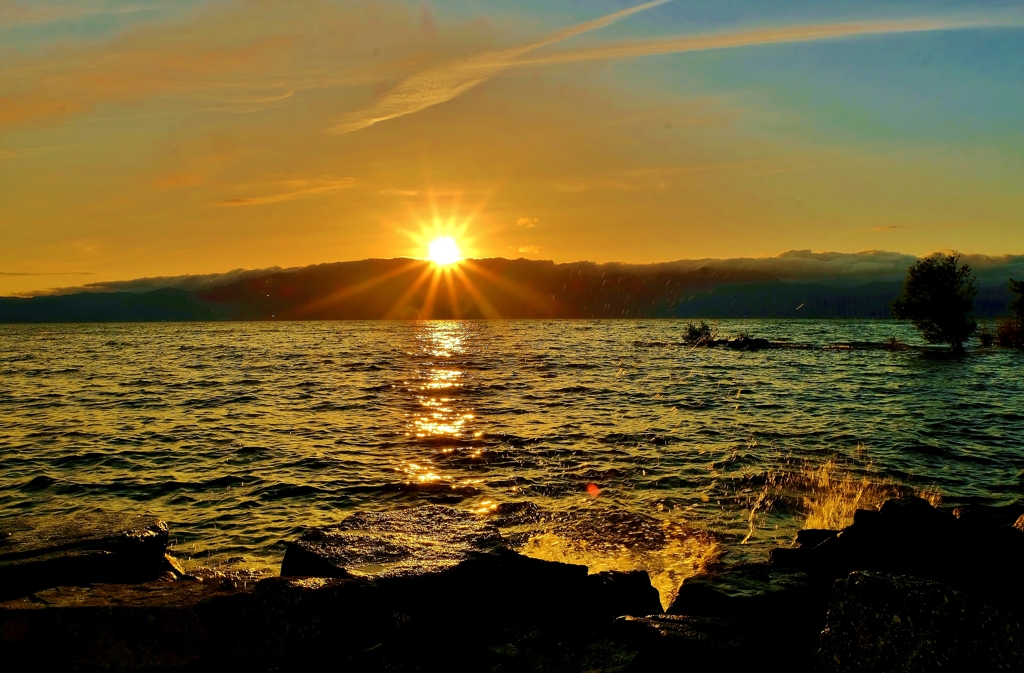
699,334
895,344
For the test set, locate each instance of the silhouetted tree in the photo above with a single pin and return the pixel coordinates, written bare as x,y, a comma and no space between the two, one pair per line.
1017,303
938,297
1011,332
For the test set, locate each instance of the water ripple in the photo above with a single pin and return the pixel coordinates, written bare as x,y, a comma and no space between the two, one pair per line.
574,435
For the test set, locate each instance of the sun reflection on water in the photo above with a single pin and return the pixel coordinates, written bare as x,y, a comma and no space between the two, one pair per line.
439,407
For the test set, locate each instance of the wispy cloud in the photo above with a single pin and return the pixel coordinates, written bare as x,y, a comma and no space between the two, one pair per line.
186,282
748,38
528,249
528,222
14,14
14,154
48,273
441,84
295,189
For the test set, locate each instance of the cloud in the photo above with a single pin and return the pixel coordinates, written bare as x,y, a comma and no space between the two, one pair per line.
187,282
748,38
15,154
887,227
237,57
441,84
295,189
48,273
14,14
528,222
792,266
865,266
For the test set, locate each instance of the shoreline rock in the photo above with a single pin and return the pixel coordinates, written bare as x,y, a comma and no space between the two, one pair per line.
883,622
42,552
383,592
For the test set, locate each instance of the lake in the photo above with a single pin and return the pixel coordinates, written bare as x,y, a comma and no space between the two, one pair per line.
609,443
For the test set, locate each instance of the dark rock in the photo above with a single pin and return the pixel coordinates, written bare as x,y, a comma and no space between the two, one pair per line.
895,623
992,517
745,343
907,536
812,537
42,552
278,623
623,593
301,623
430,562
783,607
113,626
411,541
663,642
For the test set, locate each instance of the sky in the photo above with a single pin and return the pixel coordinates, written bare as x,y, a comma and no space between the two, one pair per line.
170,137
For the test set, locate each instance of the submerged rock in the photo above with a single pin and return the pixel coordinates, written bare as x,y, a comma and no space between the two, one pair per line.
411,541
433,560
880,622
745,343
42,552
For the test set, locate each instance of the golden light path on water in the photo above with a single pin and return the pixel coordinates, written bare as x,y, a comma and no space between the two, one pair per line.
444,415
606,443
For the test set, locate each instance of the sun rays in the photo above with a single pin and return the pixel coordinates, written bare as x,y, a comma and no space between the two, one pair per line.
444,251
440,279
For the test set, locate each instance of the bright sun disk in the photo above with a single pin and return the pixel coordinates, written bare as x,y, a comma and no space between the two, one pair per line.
444,251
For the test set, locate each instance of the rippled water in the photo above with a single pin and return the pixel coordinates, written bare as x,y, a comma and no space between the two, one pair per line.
633,450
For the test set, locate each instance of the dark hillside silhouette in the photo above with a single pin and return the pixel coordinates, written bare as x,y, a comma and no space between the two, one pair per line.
407,289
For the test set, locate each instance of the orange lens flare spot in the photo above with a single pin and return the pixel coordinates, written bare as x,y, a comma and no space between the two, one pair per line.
593,490
444,251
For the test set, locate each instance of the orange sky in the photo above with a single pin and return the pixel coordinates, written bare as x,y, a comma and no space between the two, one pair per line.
200,137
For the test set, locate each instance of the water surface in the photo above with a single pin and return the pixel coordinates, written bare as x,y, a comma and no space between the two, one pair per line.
605,442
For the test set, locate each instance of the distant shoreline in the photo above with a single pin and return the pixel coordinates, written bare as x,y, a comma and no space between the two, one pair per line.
488,288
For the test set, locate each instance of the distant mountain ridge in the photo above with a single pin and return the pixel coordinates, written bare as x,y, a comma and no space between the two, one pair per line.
491,288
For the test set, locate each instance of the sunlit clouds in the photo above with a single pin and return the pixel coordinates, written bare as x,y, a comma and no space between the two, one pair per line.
200,137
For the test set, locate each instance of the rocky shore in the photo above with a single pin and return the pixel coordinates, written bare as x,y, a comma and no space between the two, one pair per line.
905,588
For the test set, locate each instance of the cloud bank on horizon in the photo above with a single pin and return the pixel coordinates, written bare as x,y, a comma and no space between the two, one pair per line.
790,266
180,137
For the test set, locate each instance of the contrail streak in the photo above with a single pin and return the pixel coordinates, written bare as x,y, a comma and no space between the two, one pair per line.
749,38
442,84
439,85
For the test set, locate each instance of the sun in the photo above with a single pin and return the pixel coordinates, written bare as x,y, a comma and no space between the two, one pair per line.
444,251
